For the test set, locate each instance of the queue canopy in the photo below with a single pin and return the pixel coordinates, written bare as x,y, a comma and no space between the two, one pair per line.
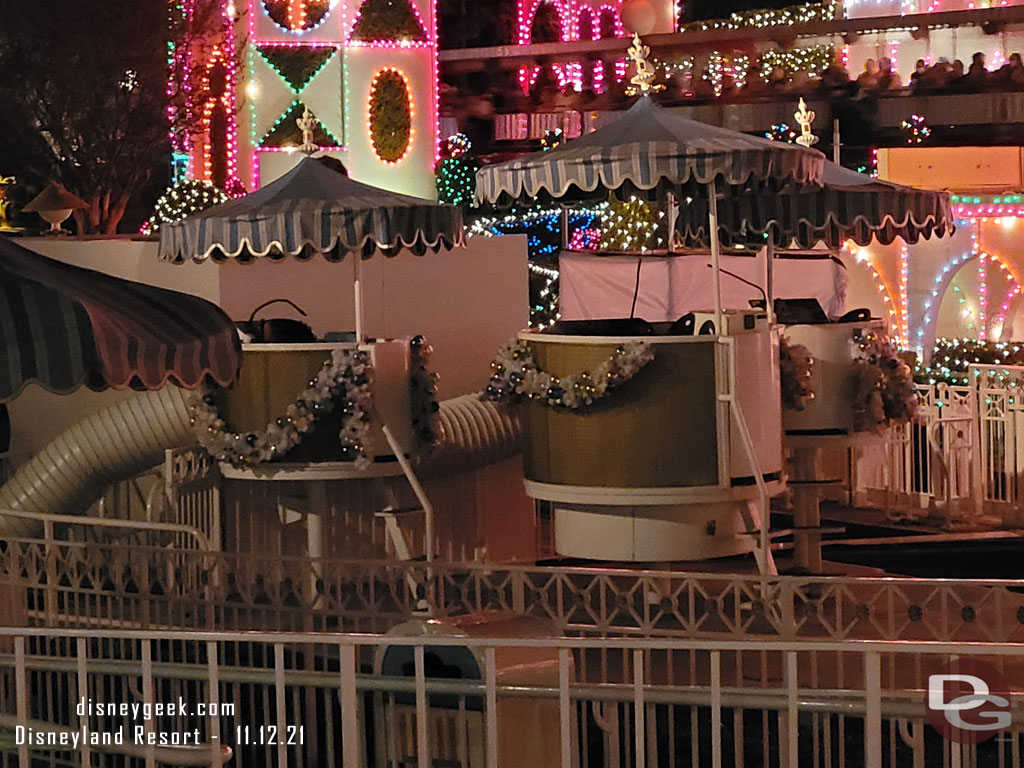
848,206
314,208
62,326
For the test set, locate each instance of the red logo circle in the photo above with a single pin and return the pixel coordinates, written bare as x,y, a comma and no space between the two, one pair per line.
968,701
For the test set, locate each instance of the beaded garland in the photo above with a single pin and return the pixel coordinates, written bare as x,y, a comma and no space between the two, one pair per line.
517,375
347,376
426,412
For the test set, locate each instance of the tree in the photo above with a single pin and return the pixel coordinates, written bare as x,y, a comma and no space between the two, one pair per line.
84,89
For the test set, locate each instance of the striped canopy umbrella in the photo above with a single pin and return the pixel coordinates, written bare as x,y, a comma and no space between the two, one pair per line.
314,208
655,154
63,326
849,206
649,152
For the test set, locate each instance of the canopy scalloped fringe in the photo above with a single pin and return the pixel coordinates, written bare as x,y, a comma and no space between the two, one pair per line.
248,240
864,211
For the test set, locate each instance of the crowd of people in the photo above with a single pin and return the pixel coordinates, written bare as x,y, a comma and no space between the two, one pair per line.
475,101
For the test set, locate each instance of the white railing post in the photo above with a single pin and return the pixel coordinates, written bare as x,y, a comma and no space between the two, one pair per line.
639,731
281,706
422,714
491,707
21,694
716,709
81,662
213,704
792,718
349,706
564,711
872,710
148,698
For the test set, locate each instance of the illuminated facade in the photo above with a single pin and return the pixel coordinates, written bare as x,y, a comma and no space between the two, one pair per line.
365,69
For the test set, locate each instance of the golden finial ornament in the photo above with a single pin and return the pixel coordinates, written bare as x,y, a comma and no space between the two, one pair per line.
805,117
643,80
5,182
306,124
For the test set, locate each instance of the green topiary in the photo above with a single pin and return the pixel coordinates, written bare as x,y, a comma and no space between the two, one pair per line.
390,115
388,20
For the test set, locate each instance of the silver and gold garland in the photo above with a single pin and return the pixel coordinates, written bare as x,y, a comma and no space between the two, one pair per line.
516,375
347,377
426,411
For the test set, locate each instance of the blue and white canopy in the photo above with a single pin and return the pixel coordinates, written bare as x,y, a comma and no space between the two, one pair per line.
648,151
312,209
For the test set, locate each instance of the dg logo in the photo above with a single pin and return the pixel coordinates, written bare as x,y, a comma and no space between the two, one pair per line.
968,701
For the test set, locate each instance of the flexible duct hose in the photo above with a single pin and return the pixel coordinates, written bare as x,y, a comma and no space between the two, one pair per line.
121,441
70,473
476,433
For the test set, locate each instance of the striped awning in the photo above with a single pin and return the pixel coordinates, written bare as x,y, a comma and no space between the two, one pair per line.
313,209
63,326
648,152
850,206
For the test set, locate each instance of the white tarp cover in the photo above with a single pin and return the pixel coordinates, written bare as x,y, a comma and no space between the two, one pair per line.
595,287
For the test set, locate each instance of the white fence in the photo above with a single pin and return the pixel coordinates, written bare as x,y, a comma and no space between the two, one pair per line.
277,699
961,459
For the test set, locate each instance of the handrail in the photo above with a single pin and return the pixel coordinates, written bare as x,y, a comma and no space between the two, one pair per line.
107,522
942,647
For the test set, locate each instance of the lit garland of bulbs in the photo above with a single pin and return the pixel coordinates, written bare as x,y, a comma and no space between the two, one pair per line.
552,138
455,176
952,357
762,19
181,200
632,225
781,132
916,128
996,206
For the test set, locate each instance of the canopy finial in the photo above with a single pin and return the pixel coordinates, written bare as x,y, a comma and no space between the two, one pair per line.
805,117
306,124
643,80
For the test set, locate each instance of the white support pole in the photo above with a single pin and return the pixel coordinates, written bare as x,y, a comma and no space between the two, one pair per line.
716,266
358,290
835,141
421,495
673,217
769,278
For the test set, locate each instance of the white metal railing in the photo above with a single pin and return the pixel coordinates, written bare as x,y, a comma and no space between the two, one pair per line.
141,584
960,458
586,702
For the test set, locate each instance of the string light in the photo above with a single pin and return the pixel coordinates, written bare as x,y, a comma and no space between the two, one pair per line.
952,357
781,132
997,206
916,128
180,201
762,19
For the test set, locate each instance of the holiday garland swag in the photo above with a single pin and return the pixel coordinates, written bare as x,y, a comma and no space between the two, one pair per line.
346,380
517,375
